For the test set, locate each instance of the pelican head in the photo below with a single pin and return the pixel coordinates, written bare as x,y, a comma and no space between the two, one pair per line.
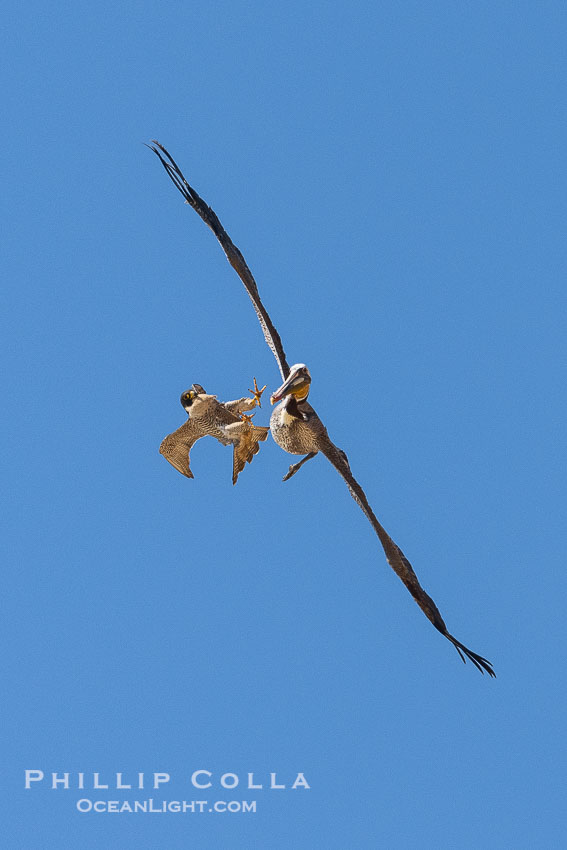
297,384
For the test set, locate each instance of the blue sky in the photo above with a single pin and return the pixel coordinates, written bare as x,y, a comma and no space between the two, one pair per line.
394,175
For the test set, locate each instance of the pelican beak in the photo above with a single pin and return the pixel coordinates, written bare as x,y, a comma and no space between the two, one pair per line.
295,385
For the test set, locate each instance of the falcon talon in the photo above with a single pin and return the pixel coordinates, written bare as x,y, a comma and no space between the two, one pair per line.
256,393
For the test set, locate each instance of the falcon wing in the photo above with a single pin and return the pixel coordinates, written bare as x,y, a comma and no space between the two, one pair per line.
397,559
175,447
233,255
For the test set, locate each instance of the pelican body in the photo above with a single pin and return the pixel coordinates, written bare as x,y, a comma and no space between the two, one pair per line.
295,426
226,422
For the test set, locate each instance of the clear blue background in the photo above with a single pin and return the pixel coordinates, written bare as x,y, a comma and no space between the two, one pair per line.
395,176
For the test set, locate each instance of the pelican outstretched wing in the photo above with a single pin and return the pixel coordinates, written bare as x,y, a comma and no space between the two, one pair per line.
233,255
396,557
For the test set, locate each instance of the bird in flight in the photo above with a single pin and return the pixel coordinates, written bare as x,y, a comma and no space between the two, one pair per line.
295,425
227,422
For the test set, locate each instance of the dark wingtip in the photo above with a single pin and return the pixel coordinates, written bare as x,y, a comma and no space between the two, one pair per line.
175,174
479,662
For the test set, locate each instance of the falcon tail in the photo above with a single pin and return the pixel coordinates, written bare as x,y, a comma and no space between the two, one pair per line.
246,448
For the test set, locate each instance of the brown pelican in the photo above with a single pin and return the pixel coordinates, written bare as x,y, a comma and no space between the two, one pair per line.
295,425
227,422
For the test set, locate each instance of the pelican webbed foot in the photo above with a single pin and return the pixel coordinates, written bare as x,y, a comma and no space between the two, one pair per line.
295,466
